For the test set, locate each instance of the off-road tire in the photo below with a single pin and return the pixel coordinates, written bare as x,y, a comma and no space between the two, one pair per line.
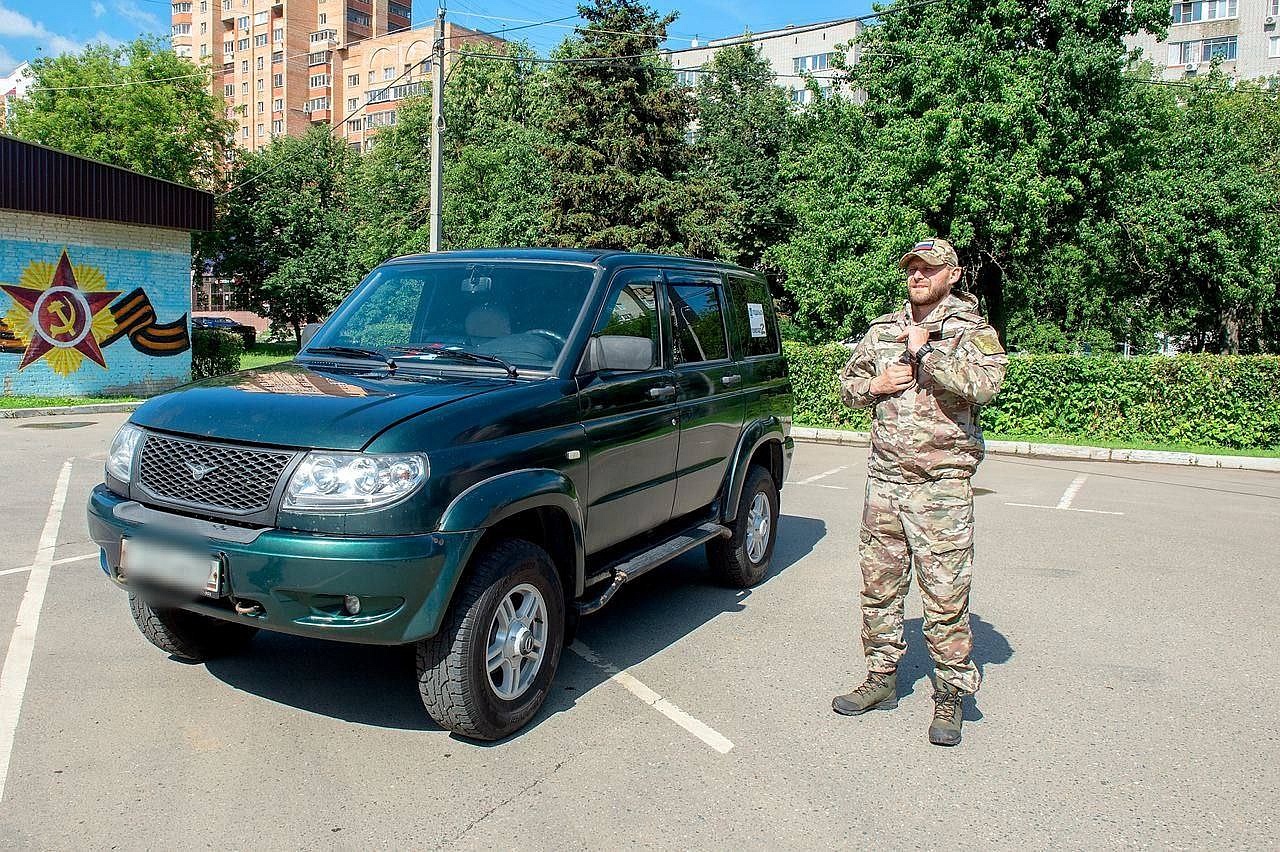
188,635
728,556
452,679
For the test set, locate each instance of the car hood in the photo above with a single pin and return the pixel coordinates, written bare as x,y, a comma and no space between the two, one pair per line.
294,405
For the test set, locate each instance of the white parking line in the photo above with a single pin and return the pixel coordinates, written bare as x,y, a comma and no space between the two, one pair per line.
818,485
1064,504
17,662
823,475
628,682
80,558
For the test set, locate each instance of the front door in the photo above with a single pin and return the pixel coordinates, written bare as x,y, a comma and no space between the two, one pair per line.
710,387
630,418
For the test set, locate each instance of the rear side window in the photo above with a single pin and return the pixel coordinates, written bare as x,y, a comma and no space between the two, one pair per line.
698,322
753,311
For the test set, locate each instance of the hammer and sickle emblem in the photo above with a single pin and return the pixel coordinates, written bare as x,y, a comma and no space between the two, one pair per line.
59,307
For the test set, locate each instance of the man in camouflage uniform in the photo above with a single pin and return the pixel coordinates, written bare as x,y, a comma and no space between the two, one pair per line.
926,370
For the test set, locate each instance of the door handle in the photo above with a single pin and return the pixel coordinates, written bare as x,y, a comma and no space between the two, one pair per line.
730,380
661,392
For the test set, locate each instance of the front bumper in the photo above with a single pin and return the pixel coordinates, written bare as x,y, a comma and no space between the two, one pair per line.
299,579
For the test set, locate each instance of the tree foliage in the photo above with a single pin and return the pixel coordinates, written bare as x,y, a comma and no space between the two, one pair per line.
91,104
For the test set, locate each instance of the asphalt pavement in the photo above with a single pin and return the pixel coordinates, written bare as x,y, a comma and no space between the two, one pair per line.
1125,619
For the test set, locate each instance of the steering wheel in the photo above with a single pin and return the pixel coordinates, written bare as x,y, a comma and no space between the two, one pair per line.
557,339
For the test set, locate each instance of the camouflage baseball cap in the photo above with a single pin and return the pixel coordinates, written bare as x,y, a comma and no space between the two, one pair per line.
934,251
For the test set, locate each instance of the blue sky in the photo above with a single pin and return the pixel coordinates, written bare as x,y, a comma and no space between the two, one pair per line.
56,26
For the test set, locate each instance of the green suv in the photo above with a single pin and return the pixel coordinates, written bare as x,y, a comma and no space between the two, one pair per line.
473,451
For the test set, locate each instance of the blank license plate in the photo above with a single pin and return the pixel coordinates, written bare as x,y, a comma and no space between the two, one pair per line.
172,568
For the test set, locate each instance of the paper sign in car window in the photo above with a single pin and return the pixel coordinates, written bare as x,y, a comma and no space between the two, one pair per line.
755,313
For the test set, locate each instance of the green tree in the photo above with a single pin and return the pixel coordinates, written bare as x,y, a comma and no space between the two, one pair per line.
618,156
138,105
741,134
998,123
283,229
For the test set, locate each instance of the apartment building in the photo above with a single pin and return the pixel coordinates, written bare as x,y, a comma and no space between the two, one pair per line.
792,51
1243,34
275,60
384,70
13,85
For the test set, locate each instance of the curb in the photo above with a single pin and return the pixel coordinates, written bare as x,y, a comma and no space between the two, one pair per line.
100,408
845,438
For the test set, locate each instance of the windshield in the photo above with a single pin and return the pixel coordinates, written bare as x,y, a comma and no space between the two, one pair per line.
518,312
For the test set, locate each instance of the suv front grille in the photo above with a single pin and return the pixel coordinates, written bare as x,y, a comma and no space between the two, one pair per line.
233,479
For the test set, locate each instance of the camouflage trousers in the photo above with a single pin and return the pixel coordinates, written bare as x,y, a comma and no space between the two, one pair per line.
930,524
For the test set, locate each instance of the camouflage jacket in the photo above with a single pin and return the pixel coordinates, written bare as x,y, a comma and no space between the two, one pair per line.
930,430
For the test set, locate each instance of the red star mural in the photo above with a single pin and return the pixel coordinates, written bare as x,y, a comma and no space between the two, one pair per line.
62,315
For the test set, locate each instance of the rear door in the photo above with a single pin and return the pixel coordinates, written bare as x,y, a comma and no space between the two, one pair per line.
630,419
759,348
709,384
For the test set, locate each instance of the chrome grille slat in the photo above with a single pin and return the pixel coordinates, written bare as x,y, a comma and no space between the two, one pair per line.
238,480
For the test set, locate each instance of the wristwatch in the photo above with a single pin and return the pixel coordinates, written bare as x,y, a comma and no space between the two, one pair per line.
922,352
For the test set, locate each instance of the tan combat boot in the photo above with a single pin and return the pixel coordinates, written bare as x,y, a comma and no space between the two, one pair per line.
878,692
948,715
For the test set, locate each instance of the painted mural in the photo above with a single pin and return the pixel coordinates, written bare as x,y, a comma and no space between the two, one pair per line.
66,314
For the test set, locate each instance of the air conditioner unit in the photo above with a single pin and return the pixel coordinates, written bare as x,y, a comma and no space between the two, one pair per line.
1271,20
1190,66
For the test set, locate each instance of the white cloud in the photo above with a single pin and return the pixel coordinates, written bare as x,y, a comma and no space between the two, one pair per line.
17,25
131,11
98,9
7,62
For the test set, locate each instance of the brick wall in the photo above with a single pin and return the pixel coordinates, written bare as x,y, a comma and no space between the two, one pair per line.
103,258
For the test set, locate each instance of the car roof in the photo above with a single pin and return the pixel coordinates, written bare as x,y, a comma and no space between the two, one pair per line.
606,258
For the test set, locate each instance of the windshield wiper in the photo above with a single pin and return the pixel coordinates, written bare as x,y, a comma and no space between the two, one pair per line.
461,355
351,351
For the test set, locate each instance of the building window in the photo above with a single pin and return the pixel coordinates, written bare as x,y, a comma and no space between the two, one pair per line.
353,79
204,51
380,119
354,17
226,5
228,90
277,105
371,78
316,104
260,40
244,87
277,126
352,103
318,81
388,73
260,18
277,81
1204,10
243,22
277,57
1224,48
1273,47
242,44
323,19
277,34
181,7
244,132
204,5
1274,10
353,126
815,62
397,9
244,66
228,47
262,107
204,28
181,29
259,63
260,84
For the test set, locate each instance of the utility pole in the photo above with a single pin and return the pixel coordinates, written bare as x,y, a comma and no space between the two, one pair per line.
437,125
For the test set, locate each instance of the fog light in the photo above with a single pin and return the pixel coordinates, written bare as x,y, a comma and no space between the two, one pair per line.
351,604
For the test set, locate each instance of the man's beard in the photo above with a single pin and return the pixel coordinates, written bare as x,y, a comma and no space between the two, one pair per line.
935,293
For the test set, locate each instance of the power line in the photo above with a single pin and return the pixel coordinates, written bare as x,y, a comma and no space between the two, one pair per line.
582,27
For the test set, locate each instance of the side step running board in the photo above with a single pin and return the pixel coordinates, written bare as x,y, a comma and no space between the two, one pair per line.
666,551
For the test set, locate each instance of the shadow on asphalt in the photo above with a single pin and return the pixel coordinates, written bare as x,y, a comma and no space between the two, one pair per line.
376,685
990,647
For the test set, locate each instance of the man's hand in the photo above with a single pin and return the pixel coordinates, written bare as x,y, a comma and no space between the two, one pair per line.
897,377
916,336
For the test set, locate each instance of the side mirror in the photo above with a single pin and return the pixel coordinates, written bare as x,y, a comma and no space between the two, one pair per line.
618,352
309,331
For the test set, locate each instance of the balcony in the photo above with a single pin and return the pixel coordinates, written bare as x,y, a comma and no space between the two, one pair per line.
325,37
319,58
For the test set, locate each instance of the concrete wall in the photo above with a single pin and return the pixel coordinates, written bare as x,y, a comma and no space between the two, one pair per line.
144,351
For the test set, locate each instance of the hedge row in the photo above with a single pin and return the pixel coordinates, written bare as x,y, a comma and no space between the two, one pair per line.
214,353
1208,400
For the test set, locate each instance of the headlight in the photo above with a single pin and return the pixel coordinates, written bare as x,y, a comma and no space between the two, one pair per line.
336,482
124,446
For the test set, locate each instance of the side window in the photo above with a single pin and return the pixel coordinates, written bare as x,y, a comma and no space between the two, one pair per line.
753,311
628,328
697,321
